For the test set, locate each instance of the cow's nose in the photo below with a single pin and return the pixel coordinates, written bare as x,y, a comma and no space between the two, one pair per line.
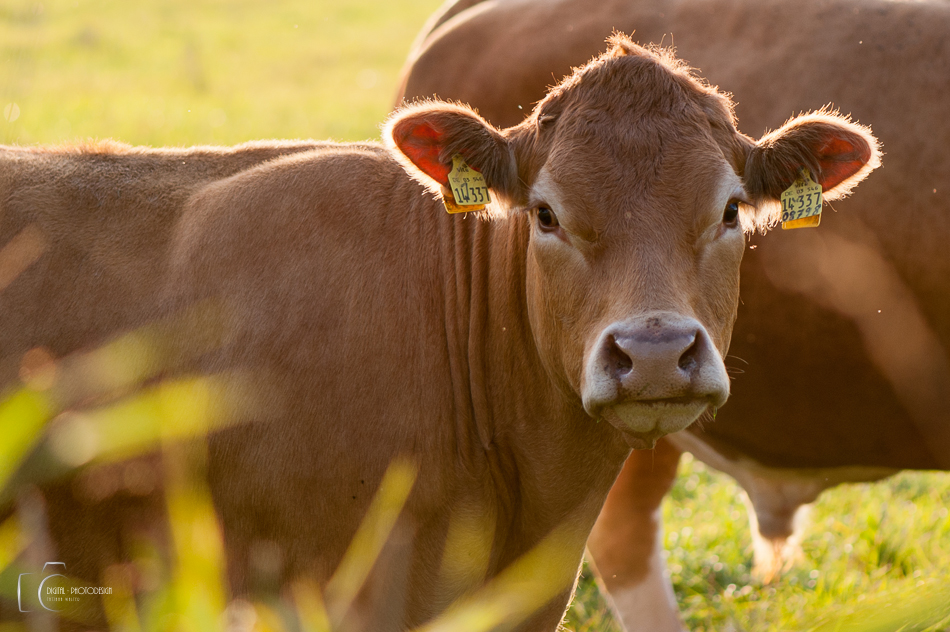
635,358
654,374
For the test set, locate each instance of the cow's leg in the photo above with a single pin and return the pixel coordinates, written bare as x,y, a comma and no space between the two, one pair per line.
777,499
627,542
777,510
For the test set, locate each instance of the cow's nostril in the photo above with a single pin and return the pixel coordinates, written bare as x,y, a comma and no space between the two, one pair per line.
688,360
619,362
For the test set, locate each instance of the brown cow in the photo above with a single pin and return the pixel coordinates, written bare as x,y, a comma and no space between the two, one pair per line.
603,285
843,331
84,236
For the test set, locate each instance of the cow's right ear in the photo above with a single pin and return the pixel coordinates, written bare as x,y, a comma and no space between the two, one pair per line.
425,137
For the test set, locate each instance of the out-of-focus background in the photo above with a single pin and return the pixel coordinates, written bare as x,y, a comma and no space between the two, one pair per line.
184,72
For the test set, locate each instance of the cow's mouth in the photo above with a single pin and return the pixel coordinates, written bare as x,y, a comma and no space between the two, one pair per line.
645,421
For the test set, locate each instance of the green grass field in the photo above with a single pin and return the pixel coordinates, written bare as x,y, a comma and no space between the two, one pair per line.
876,558
176,72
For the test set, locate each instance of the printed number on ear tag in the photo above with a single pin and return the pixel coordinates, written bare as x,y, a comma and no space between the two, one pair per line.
801,203
469,192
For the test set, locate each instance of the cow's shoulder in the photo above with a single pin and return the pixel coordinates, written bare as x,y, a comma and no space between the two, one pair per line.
339,201
331,176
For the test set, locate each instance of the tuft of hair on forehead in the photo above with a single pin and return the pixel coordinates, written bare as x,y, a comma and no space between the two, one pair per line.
628,64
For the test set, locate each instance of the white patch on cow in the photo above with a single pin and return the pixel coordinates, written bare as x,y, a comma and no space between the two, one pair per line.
778,497
546,191
729,187
649,417
650,605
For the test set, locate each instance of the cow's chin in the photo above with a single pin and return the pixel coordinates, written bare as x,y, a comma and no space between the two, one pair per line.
643,422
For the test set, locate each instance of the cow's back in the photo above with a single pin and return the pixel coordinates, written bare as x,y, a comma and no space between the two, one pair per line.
86,229
868,387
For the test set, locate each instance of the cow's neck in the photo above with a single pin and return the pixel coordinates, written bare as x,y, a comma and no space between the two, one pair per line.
514,423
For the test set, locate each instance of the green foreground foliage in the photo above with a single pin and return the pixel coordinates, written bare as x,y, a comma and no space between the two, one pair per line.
176,72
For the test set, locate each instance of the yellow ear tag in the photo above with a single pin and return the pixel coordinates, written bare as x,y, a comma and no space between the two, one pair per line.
468,189
801,203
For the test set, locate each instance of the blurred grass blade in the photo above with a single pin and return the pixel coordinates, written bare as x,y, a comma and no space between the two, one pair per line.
199,549
12,541
119,606
468,546
125,362
373,532
523,588
22,417
173,410
311,610
928,610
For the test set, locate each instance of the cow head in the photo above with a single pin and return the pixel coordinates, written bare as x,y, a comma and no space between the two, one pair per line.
637,188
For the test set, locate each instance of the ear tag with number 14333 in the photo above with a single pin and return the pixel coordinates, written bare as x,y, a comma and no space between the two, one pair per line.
801,203
468,192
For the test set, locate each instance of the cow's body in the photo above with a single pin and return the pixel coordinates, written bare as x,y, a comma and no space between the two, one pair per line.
421,315
602,289
93,226
843,331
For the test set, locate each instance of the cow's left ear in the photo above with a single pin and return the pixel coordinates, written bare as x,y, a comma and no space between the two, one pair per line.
425,137
837,153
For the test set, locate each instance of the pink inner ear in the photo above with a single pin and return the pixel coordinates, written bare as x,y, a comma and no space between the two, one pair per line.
841,159
422,144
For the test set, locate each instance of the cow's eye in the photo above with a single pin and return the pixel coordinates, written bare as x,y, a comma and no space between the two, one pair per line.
547,220
730,216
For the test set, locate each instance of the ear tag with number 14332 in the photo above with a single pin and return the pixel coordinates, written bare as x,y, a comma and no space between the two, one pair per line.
468,192
801,203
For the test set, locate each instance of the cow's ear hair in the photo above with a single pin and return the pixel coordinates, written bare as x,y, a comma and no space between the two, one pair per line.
424,137
838,153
